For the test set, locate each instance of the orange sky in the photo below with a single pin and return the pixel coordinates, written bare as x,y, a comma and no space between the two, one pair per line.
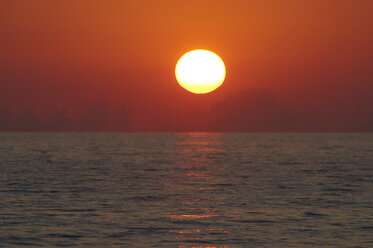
309,54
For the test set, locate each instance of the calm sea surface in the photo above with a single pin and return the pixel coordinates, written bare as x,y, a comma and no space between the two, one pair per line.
186,190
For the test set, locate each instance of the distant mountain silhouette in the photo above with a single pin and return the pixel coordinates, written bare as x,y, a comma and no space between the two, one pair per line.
95,118
122,120
59,121
253,110
5,119
27,120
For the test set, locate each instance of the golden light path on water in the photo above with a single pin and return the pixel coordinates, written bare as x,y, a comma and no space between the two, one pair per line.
198,179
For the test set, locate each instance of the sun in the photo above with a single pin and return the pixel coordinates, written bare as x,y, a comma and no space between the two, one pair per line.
200,71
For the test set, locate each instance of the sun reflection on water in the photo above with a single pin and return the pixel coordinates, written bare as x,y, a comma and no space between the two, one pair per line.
199,176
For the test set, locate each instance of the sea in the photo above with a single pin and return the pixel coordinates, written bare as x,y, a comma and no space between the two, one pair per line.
184,190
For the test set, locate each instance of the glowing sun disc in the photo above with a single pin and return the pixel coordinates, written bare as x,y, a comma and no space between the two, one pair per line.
200,71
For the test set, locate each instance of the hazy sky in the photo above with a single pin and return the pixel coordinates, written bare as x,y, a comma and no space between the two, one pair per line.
316,56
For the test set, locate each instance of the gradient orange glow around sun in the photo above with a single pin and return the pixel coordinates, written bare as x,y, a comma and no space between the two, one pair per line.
200,71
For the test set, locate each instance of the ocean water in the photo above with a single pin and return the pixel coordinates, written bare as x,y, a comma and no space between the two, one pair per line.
186,190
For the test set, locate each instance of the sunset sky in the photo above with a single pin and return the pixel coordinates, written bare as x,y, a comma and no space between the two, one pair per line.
311,60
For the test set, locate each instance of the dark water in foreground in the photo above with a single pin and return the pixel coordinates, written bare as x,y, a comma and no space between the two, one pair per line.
186,190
